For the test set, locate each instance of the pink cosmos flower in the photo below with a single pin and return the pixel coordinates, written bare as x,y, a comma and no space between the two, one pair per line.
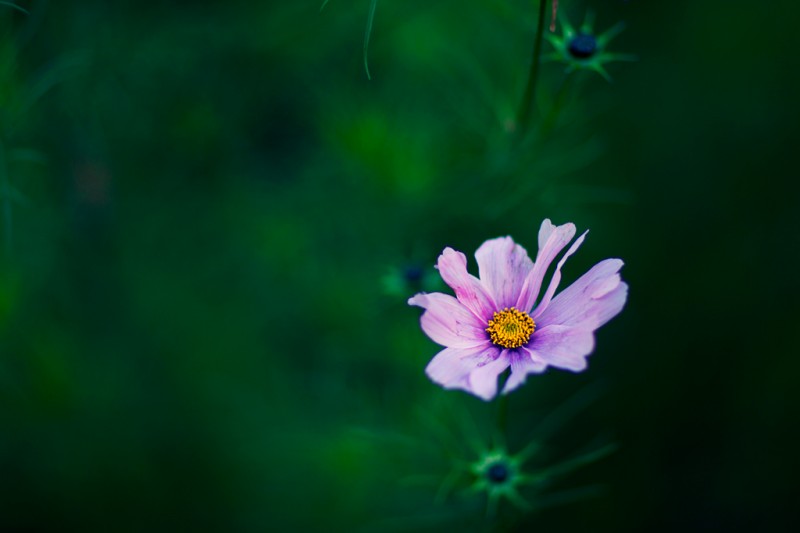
500,320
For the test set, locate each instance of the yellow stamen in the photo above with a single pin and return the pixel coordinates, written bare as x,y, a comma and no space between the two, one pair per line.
510,328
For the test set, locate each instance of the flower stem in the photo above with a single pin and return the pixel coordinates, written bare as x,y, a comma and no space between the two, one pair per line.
502,416
523,117
5,198
558,104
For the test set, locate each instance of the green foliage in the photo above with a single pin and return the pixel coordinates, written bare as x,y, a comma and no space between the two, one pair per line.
14,6
213,217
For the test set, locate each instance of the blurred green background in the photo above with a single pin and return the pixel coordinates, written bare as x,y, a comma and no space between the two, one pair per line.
212,220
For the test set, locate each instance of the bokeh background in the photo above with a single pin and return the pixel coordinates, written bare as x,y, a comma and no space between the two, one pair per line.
212,220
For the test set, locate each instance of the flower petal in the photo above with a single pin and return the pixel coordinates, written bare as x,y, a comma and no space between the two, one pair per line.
556,279
562,346
545,230
552,239
483,380
594,298
451,367
523,362
452,266
447,322
503,266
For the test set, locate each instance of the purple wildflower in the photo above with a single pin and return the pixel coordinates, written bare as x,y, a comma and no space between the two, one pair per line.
500,320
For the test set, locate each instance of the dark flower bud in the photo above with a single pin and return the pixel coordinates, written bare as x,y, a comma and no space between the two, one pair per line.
584,49
497,473
583,46
413,273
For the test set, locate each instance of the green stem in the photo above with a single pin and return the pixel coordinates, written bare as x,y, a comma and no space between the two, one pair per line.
523,117
558,104
5,194
502,416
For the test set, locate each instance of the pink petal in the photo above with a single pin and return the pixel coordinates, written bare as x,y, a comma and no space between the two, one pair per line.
502,267
483,380
562,346
552,239
545,230
452,266
556,279
447,322
523,362
451,367
594,298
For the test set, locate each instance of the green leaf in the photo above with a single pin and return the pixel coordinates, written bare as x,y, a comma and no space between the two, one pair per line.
576,462
14,6
51,77
367,32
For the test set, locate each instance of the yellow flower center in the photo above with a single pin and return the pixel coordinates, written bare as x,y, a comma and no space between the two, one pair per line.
510,328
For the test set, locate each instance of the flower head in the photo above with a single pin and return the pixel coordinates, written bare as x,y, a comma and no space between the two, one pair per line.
583,49
502,319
